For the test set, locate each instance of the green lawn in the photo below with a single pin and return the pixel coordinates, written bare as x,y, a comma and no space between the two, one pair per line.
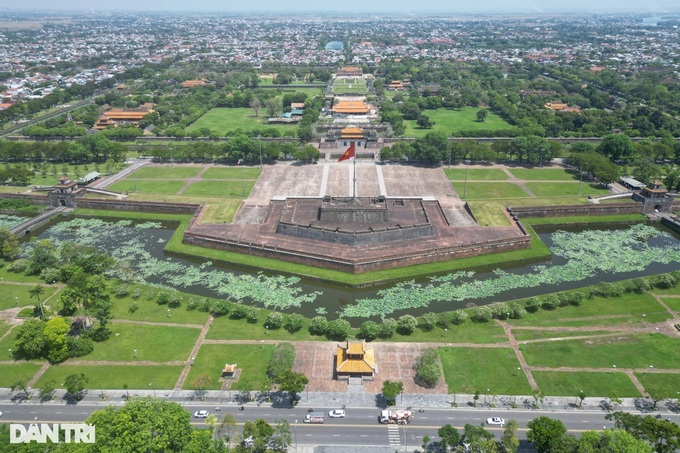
476,174
232,173
225,328
468,370
19,371
252,360
452,121
18,295
145,186
627,309
543,174
672,302
4,327
624,351
153,343
149,310
222,120
659,383
115,376
350,85
221,188
468,332
482,190
593,384
523,335
566,188
166,172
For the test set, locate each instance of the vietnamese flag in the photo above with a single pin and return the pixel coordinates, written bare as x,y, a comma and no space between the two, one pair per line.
348,154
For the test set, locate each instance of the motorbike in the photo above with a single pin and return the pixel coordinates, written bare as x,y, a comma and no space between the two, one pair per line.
241,408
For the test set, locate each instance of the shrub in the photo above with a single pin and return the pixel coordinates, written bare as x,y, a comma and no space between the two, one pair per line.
428,321
338,329
136,293
239,312
163,298
192,305
294,323
282,360
428,370
175,300
482,314
516,310
387,328
274,320
220,308
406,324
318,326
550,302
252,314
607,290
19,265
458,317
500,310
533,304
50,275
133,307
369,330
205,307
665,281
122,290
79,347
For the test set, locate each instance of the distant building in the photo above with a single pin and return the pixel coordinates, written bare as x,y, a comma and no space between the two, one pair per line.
194,83
355,359
118,116
561,107
349,71
351,108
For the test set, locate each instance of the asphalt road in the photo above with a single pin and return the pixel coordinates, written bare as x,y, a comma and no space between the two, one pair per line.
360,427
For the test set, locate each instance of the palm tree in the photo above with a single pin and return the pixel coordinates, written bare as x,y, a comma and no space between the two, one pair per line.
37,292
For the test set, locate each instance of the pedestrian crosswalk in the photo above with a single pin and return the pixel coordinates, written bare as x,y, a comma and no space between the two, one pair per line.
394,436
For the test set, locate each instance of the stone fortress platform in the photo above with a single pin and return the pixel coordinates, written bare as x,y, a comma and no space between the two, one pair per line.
394,215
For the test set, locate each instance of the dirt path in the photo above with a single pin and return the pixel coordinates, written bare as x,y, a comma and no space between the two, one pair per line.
189,363
190,181
520,356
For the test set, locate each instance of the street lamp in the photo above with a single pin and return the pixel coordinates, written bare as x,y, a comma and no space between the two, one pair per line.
243,185
540,162
154,389
172,162
578,192
259,141
467,167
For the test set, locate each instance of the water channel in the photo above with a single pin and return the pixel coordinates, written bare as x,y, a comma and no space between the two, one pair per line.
141,245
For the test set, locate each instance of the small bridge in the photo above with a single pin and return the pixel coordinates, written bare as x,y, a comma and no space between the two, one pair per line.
118,195
35,222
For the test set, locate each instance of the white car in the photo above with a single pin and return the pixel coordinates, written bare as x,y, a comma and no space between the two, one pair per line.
495,421
201,414
337,413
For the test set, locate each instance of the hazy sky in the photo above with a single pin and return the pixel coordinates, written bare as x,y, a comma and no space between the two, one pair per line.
350,6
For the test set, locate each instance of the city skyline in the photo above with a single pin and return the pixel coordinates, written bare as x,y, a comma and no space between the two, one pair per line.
359,6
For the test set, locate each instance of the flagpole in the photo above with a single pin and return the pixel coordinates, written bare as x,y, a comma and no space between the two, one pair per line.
354,187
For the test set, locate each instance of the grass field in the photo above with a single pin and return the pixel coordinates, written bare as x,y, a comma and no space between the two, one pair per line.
628,309
153,343
231,173
222,120
344,85
160,186
672,302
148,310
451,121
20,371
477,190
543,174
624,351
252,360
148,377
523,335
476,174
167,172
468,370
592,384
565,188
220,188
18,295
659,383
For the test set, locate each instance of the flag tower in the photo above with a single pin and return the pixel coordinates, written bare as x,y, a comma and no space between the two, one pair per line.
351,154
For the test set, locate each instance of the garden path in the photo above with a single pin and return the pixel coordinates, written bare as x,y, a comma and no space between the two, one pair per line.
190,181
189,363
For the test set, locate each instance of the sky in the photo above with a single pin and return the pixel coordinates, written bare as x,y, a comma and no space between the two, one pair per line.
411,7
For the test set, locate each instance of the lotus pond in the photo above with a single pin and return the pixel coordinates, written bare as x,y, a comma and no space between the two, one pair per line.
581,257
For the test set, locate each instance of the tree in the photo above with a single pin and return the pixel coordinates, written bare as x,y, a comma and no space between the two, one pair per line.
143,424
475,398
75,384
55,333
281,437
294,322
273,106
663,436
22,386
201,441
46,392
613,441
282,360
509,439
617,147
406,324
293,383
390,390
369,330
450,437
200,384
260,431
228,423
545,433
481,115
37,292
255,104
424,122
428,321
428,370
581,397
30,341
9,244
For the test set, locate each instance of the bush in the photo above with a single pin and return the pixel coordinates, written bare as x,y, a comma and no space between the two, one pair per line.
458,317
220,308
318,326
274,320
294,323
239,312
533,304
387,328
19,265
338,329
205,307
665,281
133,307
192,305
50,275
369,330
406,324
137,293
500,310
482,314
122,290
550,302
428,321
163,298
252,314
516,310
607,290
428,370
175,300
282,360
79,347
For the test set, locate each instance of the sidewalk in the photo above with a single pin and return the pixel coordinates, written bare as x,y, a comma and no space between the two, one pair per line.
364,400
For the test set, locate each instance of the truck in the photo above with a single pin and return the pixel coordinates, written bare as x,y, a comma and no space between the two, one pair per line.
314,417
399,416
